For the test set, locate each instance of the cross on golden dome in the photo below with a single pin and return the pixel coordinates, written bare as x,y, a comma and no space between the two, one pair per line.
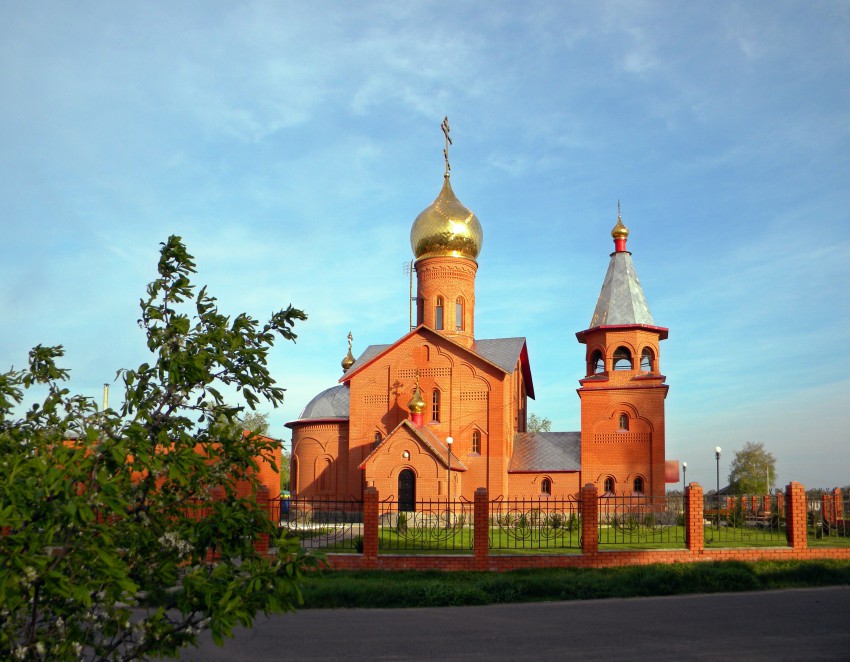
445,127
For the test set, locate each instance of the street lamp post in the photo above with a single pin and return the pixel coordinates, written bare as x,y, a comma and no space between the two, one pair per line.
717,492
449,442
684,476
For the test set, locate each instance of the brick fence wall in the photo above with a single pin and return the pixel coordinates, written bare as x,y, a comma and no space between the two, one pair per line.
590,557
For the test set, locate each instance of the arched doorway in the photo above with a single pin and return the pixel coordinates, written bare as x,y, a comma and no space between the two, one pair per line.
406,490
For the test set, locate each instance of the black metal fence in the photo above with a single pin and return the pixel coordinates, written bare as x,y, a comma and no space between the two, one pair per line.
321,523
745,520
432,526
535,524
828,520
643,522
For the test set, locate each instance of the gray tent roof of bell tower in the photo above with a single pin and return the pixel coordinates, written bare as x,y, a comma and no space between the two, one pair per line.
621,300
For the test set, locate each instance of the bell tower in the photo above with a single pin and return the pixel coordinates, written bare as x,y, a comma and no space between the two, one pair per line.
623,391
446,239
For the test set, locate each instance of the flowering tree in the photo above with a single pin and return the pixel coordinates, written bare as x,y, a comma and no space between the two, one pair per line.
123,533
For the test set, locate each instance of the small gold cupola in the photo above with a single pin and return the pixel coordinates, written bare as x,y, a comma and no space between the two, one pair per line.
620,233
416,405
348,361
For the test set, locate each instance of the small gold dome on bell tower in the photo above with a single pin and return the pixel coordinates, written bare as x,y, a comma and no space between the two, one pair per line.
620,231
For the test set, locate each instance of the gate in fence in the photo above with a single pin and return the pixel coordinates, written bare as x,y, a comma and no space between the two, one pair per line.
333,525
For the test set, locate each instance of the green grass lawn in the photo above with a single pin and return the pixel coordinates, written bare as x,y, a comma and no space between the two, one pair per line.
743,537
437,589
560,541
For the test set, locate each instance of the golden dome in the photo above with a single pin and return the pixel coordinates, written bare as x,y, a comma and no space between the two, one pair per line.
348,361
417,403
446,228
620,231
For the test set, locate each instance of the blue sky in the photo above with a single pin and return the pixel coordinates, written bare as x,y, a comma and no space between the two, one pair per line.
291,145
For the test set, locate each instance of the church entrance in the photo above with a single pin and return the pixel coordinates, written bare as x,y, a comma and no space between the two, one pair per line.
406,491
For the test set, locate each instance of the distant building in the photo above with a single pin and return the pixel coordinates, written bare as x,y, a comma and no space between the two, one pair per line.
389,420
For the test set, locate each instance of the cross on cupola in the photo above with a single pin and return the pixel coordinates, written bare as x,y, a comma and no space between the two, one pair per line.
445,127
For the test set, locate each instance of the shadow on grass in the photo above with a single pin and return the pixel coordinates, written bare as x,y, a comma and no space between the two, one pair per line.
439,589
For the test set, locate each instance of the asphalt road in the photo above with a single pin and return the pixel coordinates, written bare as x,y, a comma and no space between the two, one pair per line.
799,624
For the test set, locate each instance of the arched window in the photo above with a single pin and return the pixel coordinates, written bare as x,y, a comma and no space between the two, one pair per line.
622,359
435,406
646,359
377,440
293,475
459,313
476,441
546,486
420,310
438,315
597,363
609,485
624,422
638,485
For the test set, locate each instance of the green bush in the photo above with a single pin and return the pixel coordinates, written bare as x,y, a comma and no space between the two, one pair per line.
401,523
736,516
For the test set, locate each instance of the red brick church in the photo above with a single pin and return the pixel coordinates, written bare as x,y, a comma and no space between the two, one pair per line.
441,402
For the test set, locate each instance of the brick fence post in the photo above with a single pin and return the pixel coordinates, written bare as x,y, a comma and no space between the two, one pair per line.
216,494
795,515
589,519
481,530
826,508
261,544
370,527
694,518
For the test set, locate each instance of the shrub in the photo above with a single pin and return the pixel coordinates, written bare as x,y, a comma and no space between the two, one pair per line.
555,521
736,516
401,522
